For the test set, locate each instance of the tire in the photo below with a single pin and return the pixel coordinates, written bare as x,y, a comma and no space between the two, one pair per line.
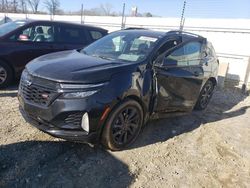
6,75
205,96
123,125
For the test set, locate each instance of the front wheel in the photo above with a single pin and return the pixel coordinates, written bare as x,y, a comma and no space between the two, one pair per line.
205,96
6,75
123,125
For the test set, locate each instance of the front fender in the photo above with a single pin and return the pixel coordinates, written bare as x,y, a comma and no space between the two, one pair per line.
134,85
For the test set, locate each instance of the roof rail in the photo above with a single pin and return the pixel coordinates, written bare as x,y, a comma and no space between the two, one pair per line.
184,32
134,28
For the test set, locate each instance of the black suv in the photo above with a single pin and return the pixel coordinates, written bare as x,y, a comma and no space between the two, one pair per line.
22,41
108,90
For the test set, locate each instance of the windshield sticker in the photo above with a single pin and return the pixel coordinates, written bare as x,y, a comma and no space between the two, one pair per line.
129,57
150,39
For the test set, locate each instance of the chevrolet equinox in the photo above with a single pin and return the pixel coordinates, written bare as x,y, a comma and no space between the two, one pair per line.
107,91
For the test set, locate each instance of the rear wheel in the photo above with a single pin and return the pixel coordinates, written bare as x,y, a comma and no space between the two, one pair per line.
6,75
123,125
205,96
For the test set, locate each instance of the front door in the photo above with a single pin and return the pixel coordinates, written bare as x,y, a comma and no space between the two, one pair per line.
30,43
179,77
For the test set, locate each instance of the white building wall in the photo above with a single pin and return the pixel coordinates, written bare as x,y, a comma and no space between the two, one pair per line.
229,36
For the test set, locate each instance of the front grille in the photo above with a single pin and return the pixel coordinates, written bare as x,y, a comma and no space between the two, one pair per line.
74,120
36,94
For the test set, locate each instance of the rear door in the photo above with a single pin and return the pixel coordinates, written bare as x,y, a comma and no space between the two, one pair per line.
179,76
71,37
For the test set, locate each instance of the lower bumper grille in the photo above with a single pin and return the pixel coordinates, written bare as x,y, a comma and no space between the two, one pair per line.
73,120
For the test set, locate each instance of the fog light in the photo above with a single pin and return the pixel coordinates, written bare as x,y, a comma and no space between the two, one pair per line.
85,122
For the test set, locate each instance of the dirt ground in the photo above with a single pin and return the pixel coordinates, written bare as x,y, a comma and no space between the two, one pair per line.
203,149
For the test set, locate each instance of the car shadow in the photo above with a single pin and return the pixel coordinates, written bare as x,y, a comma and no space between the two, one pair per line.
60,164
219,108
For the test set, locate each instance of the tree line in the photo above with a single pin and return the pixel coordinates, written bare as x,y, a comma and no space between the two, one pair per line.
30,6
53,7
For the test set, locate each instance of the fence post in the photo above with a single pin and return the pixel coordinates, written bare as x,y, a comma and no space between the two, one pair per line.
123,16
82,22
245,85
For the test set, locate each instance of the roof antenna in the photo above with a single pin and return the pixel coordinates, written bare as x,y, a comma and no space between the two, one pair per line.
182,16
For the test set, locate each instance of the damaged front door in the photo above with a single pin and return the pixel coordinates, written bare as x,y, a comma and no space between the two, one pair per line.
179,76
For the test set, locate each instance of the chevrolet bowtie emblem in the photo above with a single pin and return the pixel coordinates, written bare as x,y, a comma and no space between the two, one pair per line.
28,83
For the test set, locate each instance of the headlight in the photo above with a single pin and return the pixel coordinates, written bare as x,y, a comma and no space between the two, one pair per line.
78,90
82,94
82,86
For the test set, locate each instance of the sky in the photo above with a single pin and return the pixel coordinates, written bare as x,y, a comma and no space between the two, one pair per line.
171,8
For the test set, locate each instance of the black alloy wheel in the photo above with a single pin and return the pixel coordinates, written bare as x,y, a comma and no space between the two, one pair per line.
123,125
205,96
3,74
6,75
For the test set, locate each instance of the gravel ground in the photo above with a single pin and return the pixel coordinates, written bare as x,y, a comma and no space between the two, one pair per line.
203,149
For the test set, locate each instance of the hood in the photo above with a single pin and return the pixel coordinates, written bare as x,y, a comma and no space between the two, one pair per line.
73,66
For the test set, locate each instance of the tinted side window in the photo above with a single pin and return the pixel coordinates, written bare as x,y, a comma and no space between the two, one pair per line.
168,46
37,33
71,35
187,55
96,35
193,53
159,56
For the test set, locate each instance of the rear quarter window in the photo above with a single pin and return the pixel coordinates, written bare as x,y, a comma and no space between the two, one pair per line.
95,35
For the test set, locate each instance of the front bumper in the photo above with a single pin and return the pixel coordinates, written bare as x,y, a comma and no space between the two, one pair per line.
51,119
71,135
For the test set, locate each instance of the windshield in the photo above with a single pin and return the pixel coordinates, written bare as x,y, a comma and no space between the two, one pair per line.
8,27
123,46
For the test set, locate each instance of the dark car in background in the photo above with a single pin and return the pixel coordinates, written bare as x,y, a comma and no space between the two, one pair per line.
108,90
22,41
